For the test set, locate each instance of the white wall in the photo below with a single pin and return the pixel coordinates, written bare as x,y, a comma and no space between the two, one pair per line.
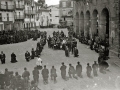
54,12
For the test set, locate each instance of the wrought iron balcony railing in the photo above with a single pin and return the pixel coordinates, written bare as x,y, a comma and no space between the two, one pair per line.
19,17
6,7
30,12
18,6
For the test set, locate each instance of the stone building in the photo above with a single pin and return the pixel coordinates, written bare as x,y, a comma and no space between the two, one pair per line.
19,14
6,14
66,12
54,14
98,17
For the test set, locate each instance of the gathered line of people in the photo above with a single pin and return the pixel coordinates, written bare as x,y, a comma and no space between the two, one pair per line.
14,36
28,56
22,82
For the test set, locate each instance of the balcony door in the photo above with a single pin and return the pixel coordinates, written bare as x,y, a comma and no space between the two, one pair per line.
19,15
7,17
6,3
18,4
0,17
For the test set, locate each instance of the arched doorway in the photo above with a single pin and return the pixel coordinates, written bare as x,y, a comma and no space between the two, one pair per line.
77,24
82,24
95,23
87,25
105,24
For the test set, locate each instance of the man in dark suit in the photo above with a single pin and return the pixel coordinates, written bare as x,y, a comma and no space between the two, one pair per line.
63,71
2,57
76,52
45,75
13,58
79,69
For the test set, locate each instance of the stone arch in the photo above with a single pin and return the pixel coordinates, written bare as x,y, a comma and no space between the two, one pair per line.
87,25
82,23
94,21
77,23
104,24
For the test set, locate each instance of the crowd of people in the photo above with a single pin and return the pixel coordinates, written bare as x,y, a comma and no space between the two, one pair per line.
15,81
61,42
96,43
13,36
28,56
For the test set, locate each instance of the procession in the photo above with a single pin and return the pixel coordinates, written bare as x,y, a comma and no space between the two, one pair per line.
59,44
57,41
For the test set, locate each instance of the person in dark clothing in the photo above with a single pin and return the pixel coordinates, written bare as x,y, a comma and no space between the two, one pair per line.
72,72
76,52
16,80
26,75
33,53
27,56
95,69
79,70
73,47
2,80
35,74
13,58
21,83
53,74
7,78
2,57
106,52
66,52
45,75
89,69
63,71
12,80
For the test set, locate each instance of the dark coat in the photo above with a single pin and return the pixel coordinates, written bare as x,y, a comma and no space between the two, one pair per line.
26,74
13,58
27,55
72,70
76,53
53,72
63,70
45,73
79,68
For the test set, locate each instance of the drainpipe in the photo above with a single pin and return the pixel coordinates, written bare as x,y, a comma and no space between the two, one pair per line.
119,26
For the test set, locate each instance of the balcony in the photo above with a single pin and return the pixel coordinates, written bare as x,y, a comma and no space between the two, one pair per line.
6,7
32,12
19,17
29,12
19,7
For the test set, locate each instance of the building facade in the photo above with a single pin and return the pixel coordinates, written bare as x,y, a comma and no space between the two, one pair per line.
44,17
98,17
19,14
27,18
37,16
6,14
66,12
54,14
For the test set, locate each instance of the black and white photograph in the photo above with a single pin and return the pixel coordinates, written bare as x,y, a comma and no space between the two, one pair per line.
59,44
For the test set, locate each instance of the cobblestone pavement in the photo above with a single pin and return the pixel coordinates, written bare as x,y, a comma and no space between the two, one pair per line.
108,81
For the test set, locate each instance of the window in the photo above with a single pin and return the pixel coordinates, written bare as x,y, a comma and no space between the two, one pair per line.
64,4
0,17
7,17
71,3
